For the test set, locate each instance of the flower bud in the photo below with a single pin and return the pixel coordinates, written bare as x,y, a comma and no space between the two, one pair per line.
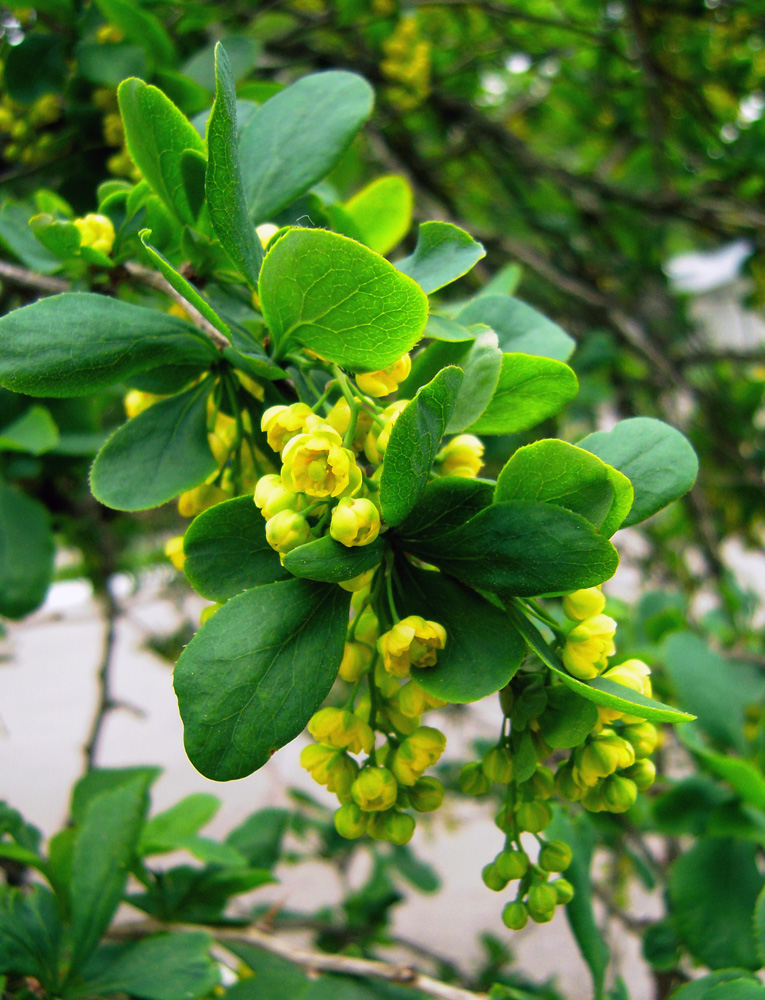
387,380
512,864
603,755
351,822
642,737
96,231
426,795
413,642
472,780
136,402
583,604
533,816
392,826
492,878
377,439
643,773
416,753
375,789
174,552
193,502
316,760
282,423
497,765
555,856
507,700
355,662
542,901
515,916
337,727
588,646
367,628
272,498
287,530
565,784
462,456
592,799
357,583
355,522
618,793
564,891
541,784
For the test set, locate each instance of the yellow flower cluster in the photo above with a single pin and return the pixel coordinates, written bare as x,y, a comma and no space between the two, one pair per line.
407,65
95,231
24,127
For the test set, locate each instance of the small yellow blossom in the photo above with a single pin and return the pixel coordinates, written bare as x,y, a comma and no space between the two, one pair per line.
96,231
413,642
386,380
588,646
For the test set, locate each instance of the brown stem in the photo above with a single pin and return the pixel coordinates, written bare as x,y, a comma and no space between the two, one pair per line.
106,702
31,279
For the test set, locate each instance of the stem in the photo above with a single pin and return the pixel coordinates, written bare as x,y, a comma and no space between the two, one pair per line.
538,611
105,702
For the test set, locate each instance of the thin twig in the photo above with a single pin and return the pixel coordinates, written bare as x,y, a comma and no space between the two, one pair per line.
312,961
31,279
106,703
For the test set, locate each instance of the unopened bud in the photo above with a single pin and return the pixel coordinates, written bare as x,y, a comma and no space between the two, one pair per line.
555,856
564,890
533,816
619,794
515,916
584,604
426,795
472,780
512,864
497,765
492,878
350,821
375,789
643,773
542,901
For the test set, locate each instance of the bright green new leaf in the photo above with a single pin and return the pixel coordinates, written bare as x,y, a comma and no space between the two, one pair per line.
61,237
382,213
339,299
18,239
254,674
559,473
447,329
26,552
530,389
172,827
157,455
140,27
656,458
223,181
34,432
482,366
522,548
445,504
483,648
227,552
298,135
414,443
157,135
77,343
328,561
444,252
520,328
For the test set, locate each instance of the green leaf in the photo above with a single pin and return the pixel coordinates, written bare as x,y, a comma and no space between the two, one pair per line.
78,343
714,887
704,987
175,825
414,443
600,691
181,285
251,678
444,252
339,299
382,212
580,836
227,552
26,552
483,648
328,561
157,135
447,329
744,777
559,473
737,989
109,65
297,137
522,548
482,366
61,237
446,503
274,976
141,27
241,50
97,782
530,389
18,239
223,180
259,837
656,458
175,966
520,328
34,431
30,935
103,850
567,719
34,67
156,455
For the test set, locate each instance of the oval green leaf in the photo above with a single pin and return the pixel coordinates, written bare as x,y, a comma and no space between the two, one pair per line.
530,389
328,561
444,252
520,328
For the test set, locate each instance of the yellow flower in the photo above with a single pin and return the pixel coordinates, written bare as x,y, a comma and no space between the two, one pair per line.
588,646
271,497
413,642
462,456
583,604
355,522
193,502
174,552
339,417
317,464
287,530
355,662
96,231
411,700
358,583
377,439
417,753
632,674
136,402
375,789
330,767
339,728
386,380
282,423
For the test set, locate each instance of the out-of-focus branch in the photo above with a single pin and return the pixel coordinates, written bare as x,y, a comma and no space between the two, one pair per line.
25,278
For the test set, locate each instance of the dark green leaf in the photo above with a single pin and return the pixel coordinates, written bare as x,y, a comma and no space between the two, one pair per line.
446,504
483,648
34,432
34,67
109,65
78,343
701,989
30,935
26,552
273,976
298,136
251,678
414,443
227,552
656,458
482,366
156,455
223,181
444,252
100,780
529,390
567,719
259,837
519,327
141,27
523,548
328,561
339,299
